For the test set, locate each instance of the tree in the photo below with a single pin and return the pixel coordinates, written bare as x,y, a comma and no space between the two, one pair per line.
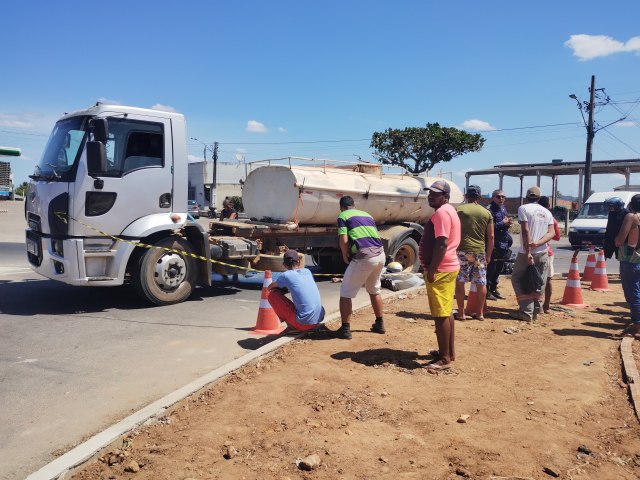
419,149
22,189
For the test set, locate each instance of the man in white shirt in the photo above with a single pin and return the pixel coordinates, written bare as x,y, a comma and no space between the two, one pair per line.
536,229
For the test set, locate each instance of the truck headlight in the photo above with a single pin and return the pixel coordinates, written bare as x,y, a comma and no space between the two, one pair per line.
572,230
602,230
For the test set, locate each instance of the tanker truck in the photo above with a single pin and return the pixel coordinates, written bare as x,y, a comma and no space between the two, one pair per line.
107,204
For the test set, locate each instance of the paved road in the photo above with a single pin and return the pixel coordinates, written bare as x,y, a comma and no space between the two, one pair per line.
75,360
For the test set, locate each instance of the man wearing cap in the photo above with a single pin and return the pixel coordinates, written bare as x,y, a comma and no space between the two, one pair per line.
617,212
536,229
305,311
439,261
474,251
502,241
362,250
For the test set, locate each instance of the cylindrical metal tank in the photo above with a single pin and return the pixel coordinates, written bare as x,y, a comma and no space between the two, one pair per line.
311,195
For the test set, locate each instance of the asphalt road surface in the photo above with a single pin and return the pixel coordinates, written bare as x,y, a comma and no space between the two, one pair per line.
75,360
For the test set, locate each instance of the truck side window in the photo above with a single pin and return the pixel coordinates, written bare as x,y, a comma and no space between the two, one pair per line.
144,149
134,145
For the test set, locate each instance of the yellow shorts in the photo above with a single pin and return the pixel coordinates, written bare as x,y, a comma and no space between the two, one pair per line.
440,293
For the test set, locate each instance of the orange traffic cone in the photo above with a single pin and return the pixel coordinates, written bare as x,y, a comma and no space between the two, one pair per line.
573,291
590,266
600,281
268,322
472,300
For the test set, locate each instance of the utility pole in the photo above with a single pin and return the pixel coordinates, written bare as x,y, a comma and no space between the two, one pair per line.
590,134
214,183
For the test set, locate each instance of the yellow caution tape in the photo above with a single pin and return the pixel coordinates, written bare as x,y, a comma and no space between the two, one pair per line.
64,217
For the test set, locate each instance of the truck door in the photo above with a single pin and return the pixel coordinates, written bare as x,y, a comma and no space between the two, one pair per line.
138,181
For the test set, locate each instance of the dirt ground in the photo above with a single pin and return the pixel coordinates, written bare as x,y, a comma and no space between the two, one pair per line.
522,402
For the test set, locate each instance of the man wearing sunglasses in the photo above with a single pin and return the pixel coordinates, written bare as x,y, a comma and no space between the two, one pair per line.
502,241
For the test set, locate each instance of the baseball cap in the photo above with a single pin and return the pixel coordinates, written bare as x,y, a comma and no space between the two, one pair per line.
474,190
533,192
291,256
440,186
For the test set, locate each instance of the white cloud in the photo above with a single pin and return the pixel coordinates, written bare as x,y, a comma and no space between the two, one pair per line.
194,158
627,123
241,150
108,101
164,108
477,125
256,127
282,129
588,47
15,121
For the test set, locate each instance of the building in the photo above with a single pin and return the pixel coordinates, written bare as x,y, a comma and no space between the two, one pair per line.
6,181
229,179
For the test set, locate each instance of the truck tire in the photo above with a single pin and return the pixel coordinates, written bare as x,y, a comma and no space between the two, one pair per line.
165,277
407,255
332,264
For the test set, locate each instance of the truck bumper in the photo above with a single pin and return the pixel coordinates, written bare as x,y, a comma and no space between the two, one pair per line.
586,238
78,261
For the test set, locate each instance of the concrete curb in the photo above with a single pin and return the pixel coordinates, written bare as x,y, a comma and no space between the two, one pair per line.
631,372
75,457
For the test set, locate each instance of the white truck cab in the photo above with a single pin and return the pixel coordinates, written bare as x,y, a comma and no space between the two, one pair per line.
589,227
112,177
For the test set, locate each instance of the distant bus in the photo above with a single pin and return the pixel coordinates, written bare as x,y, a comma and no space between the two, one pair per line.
6,192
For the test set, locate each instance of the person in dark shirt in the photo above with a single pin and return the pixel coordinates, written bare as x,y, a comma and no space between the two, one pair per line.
228,211
617,212
502,241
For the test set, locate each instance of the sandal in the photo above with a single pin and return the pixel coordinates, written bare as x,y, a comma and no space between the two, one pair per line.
434,353
462,317
438,366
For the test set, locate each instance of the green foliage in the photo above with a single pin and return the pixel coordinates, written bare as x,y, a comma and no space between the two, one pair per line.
419,149
22,189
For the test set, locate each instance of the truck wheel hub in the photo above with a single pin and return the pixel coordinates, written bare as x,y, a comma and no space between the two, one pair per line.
170,271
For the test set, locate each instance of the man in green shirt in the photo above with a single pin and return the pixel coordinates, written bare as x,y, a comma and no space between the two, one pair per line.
362,250
474,252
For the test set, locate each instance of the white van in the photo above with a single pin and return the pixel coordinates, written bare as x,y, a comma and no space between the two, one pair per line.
590,224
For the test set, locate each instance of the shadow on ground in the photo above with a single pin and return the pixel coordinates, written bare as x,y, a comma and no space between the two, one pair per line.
382,356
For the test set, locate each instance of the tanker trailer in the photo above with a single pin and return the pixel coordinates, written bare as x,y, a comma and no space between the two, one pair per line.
297,207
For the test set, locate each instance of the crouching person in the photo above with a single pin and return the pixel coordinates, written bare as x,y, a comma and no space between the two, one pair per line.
305,312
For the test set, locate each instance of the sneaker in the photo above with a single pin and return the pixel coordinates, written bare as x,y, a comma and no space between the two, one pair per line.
343,333
491,296
378,327
498,295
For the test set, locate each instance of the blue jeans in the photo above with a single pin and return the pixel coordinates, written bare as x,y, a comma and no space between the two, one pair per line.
630,278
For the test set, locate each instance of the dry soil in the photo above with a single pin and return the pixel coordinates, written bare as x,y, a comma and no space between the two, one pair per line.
522,401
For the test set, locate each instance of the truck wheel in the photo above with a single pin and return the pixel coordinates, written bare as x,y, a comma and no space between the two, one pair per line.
407,255
332,264
165,277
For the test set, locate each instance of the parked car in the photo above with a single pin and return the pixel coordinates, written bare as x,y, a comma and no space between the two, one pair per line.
193,208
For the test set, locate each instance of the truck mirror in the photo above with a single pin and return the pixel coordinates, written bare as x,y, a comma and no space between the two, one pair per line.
100,128
96,158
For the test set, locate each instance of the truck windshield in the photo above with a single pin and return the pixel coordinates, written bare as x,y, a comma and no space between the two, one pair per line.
62,151
594,210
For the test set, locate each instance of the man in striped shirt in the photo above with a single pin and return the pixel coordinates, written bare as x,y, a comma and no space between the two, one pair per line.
362,250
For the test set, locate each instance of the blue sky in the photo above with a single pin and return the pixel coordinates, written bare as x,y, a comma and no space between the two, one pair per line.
316,79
